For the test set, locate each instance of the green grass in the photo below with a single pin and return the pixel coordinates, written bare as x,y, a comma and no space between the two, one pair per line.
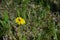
40,24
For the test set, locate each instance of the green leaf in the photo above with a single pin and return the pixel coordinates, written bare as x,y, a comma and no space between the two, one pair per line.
24,38
6,16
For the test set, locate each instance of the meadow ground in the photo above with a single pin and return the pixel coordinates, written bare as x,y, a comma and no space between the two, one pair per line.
28,20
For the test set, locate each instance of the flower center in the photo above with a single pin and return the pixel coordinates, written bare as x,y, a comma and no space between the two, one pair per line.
19,20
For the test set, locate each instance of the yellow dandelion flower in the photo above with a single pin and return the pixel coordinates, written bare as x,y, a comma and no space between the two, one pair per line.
20,20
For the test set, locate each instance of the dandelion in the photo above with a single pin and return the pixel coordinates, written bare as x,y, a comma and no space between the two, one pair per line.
20,21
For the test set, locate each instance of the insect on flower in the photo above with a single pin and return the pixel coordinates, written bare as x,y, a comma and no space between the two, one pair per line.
20,21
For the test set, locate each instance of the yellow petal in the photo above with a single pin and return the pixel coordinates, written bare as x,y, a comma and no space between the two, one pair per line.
19,20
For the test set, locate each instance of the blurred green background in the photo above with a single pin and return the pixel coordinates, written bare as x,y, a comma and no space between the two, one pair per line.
42,19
